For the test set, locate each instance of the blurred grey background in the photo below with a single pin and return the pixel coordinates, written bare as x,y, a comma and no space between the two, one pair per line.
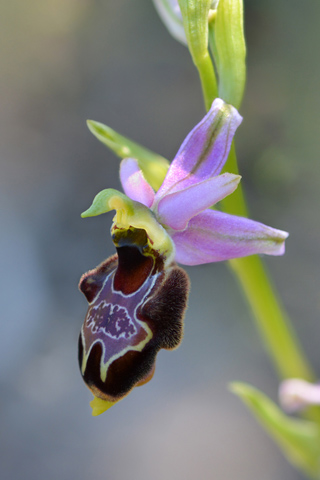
63,61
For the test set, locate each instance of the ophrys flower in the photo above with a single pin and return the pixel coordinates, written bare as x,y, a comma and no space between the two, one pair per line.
137,298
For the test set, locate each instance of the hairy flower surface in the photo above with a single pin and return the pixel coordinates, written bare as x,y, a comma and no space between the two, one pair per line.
136,307
137,298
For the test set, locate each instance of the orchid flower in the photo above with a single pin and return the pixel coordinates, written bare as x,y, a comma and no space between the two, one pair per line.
296,394
138,297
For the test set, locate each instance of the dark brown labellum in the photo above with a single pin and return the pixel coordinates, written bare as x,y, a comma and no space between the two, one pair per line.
136,307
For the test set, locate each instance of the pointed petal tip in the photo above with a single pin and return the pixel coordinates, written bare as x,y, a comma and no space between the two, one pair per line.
92,125
98,206
214,236
284,234
100,406
278,237
86,213
134,183
205,149
236,387
105,134
236,178
220,105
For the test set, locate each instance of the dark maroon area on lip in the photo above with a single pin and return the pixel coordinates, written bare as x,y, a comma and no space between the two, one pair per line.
155,298
123,374
132,271
92,282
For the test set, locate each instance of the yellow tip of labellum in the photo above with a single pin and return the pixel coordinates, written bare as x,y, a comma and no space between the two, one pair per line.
99,406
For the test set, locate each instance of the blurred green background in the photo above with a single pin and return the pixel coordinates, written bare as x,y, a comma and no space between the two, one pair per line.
61,63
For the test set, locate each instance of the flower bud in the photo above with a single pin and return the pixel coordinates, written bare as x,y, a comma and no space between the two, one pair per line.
195,15
296,394
226,39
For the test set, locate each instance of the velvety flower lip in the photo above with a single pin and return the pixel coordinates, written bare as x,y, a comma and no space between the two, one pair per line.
193,184
296,394
136,308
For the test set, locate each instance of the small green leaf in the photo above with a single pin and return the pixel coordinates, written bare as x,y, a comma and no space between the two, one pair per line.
153,166
227,42
298,439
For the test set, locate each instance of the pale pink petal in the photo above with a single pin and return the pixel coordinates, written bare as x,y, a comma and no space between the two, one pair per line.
204,151
176,209
134,184
214,236
296,394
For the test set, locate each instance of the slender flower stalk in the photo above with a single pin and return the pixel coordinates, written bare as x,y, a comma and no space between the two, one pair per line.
269,314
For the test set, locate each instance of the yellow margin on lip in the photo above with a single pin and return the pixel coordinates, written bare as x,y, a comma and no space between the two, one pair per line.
104,366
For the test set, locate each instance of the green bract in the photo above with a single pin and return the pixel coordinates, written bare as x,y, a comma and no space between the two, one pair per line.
298,439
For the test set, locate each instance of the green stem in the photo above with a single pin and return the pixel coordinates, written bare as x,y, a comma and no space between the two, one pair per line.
271,320
208,80
269,315
234,203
